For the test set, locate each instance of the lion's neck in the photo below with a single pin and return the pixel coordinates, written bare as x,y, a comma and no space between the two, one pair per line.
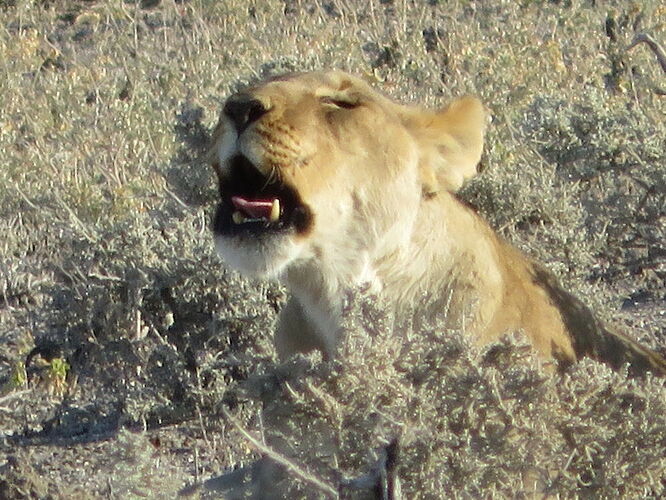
441,266
441,248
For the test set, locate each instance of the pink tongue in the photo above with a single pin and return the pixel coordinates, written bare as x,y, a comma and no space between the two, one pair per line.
255,209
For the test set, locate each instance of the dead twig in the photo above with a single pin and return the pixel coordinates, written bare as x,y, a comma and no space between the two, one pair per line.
294,469
383,478
654,46
12,395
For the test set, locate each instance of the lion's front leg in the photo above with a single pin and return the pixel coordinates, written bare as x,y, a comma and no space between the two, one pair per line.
296,332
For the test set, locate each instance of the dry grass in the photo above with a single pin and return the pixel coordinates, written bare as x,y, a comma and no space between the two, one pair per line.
107,262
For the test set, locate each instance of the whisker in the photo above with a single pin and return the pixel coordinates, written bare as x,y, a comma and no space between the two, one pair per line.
270,178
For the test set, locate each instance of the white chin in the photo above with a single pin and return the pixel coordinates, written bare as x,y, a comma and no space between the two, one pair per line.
257,258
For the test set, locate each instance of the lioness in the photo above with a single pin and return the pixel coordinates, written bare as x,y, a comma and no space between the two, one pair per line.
328,186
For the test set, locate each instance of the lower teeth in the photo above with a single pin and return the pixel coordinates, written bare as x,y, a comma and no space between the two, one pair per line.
240,218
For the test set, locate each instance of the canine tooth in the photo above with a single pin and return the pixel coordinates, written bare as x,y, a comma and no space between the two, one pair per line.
237,217
275,210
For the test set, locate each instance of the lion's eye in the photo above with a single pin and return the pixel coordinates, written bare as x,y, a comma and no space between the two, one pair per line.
340,102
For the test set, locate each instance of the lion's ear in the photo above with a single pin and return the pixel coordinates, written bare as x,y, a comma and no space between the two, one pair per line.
451,145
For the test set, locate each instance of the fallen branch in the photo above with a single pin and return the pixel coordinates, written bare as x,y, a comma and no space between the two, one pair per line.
654,46
294,469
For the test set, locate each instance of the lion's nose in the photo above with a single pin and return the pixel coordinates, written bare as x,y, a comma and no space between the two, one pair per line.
243,110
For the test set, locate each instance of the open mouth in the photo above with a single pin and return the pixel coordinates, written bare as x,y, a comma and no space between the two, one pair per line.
253,204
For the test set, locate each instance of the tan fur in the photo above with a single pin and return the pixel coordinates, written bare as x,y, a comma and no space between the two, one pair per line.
380,179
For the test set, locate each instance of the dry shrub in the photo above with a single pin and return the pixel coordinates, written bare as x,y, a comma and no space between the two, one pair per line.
469,423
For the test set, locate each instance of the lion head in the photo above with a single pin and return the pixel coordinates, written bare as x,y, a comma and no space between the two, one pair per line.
320,164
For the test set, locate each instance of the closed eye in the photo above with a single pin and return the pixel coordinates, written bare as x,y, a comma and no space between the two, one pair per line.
341,103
